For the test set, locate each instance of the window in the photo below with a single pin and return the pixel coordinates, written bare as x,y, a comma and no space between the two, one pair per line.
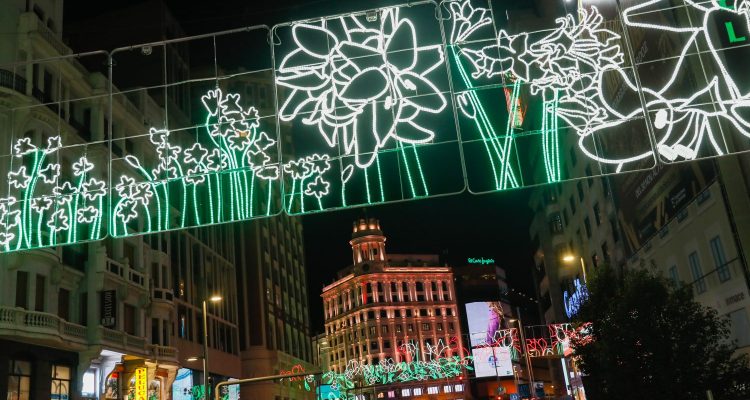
410,327
572,202
19,380
740,327
60,382
697,271
458,388
129,319
579,186
63,304
425,327
597,214
439,327
39,296
384,329
674,275
433,390
615,232
447,389
398,328
405,392
22,287
720,259
418,391
555,224
587,226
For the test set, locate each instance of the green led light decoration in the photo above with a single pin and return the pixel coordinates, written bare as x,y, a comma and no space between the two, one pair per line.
371,99
228,177
395,104
435,362
46,207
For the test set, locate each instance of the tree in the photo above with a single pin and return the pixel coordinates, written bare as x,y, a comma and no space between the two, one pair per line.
651,340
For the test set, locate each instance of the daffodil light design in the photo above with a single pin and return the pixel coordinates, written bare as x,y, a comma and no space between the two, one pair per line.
364,88
566,68
50,202
219,176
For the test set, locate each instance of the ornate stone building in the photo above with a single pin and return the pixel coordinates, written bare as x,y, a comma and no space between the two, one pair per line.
383,302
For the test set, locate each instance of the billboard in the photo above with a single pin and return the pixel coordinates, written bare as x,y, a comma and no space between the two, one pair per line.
492,361
485,319
493,344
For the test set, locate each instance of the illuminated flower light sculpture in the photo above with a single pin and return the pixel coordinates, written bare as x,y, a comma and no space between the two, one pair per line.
43,209
439,361
227,169
365,90
567,66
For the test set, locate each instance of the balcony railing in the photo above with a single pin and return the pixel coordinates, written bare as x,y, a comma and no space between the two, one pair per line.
126,273
136,345
12,81
35,322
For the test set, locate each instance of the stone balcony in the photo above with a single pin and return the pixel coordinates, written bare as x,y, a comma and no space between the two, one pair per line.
124,273
43,328
51,330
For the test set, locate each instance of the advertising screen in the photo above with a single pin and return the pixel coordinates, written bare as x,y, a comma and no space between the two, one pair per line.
491,340
485,319
492,361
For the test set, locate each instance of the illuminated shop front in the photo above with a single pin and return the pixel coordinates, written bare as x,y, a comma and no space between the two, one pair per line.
188,385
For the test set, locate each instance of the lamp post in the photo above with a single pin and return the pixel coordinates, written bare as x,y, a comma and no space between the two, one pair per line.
206,389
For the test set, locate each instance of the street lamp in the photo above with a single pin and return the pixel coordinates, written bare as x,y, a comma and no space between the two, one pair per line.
214,299
570,258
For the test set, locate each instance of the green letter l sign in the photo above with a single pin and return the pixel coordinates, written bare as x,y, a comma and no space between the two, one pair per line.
732,37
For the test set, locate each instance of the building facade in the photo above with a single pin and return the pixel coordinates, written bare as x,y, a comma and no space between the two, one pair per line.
107,318
382,303
274,317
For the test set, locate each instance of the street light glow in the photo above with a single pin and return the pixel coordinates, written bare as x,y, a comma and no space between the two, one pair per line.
192,359
569,258
215,298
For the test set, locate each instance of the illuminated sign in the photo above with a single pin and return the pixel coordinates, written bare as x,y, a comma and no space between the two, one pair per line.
482,260
141,384
572,301
403,103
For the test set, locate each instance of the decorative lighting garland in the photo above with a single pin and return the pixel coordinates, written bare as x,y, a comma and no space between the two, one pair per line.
438,361
234,164
570,62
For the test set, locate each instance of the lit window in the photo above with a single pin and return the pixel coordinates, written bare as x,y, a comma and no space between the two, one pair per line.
88,388
405,392
391,394
417,391
459,388
60,382
447,388
433,390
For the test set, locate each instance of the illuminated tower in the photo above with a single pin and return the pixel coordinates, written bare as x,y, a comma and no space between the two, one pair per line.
368,242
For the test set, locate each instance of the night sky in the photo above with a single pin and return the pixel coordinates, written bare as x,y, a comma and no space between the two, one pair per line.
457,227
